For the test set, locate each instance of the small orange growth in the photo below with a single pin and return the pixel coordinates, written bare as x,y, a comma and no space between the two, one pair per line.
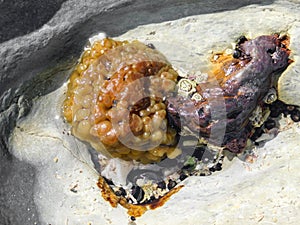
223,64
165,198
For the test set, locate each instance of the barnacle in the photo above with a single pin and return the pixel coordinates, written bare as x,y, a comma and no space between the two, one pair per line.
186,87
271,96
259,116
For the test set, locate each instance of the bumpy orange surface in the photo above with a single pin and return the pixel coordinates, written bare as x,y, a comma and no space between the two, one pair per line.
115,101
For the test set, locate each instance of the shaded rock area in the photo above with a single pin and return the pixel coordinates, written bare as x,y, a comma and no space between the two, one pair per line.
42,40
19,18
16,192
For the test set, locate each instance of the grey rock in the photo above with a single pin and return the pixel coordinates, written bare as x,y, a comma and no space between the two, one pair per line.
19,18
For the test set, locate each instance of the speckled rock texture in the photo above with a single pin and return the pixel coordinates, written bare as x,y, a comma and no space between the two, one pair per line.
47,177
22,17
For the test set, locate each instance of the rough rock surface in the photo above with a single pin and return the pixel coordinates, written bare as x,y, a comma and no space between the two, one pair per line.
265,192
22,17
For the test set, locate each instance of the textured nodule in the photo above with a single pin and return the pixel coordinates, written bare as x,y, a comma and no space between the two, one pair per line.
243,79
115,100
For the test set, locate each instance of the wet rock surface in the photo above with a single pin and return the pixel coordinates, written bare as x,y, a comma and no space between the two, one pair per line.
58,43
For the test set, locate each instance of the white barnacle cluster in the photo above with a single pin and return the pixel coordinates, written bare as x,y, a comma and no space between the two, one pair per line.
187,85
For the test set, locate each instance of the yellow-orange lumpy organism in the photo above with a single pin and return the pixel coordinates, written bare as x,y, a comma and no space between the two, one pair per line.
115,100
